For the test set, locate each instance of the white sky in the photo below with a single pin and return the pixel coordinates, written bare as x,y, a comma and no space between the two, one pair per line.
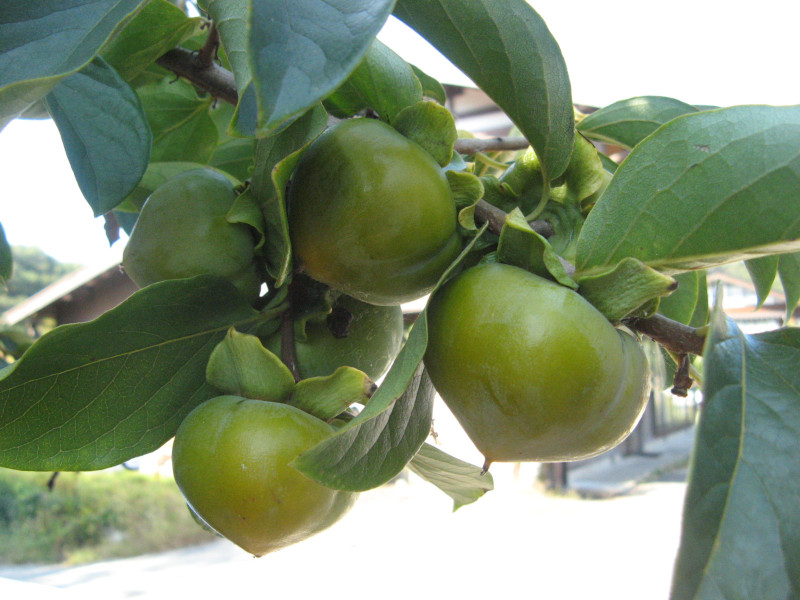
700,51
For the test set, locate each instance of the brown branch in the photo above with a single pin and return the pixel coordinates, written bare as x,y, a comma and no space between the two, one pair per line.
674,336
216,80
473,145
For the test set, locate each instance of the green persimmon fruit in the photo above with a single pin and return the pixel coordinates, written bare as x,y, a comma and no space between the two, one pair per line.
182,231
231,460
530,369
371,214
370,340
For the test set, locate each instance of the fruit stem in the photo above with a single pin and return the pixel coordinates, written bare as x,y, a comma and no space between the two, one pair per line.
496,217
207,54
674,336
542,201
490,162
682,381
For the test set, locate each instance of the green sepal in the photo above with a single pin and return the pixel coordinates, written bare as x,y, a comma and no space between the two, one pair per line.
317,315
584,176
523,175
275,159
498,193
567,221
521,246
589,201
431,126
466,189
240,365
608,163
246,210
327,397
431,88
631,286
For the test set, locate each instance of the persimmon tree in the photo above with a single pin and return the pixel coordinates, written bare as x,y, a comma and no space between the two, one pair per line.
147,98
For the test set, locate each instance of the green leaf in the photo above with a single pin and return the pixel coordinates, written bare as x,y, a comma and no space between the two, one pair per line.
765,269
382,81
240,365
231,18
608,164
763,272
42,42
92,395
701,311
376,445
628,122
463,482
431,126
235,156
182,127
681,304
245,119
327,397
522,247
105,133
276,157
680,199
158,27
301,51
789,273
6,259
629,286
741,535
507,50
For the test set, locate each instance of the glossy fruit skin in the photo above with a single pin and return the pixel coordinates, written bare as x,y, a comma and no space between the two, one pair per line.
374,337
530,369
371,214
231,460
182,232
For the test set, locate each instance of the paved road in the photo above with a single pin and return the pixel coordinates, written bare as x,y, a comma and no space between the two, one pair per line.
403,541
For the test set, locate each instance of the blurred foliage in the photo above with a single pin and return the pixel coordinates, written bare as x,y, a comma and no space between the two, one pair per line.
91,516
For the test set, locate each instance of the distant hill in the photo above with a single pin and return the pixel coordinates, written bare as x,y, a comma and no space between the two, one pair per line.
33,271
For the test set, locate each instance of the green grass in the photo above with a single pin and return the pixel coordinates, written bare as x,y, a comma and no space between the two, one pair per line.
91,516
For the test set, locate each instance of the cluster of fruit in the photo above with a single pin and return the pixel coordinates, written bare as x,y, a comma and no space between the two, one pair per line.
530,369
